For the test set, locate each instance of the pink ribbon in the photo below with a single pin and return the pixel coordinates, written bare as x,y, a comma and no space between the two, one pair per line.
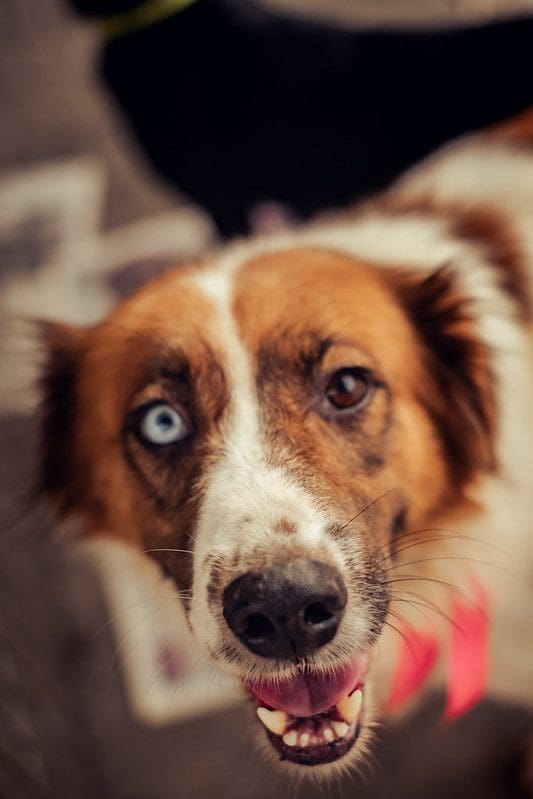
466,660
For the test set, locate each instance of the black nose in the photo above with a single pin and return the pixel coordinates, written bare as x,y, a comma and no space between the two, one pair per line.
286,611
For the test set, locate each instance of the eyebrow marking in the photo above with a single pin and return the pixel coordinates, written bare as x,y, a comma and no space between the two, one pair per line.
274,356
312,357
172,362
174,375
173,365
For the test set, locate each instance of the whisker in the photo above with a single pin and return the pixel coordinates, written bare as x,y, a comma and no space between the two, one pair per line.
393,544
170,549
113,619
419,578
413,603
367,507
450,534
132,606
403,545
447,557
399,550
405,623
422,602
405,640
427,602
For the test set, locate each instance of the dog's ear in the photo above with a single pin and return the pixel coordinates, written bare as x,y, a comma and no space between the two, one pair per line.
459,393
58,386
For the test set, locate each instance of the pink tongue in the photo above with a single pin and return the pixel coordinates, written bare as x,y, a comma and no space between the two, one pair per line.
307,694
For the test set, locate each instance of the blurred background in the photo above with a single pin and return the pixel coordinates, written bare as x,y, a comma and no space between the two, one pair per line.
134,135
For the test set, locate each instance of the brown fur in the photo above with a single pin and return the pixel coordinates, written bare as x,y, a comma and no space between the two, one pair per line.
419,431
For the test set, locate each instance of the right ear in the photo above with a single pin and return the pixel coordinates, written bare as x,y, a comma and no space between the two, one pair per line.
58,386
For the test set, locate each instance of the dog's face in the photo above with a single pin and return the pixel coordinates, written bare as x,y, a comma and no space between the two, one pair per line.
267,433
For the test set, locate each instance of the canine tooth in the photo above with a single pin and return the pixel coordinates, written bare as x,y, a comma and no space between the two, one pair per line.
274,720
350,706
304,739
290,738
340,728
328,734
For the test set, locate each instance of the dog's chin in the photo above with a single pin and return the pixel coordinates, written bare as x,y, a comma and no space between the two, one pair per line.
313,718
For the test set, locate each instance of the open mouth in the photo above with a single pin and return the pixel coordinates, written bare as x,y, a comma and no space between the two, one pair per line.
312,718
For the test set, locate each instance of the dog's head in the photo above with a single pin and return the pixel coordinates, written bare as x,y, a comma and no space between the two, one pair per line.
268,431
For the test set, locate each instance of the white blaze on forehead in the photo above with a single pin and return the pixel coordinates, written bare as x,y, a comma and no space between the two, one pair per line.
243,481
217,285
244,447
244,496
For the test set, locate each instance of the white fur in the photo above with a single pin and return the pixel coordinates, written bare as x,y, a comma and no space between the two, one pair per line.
477,170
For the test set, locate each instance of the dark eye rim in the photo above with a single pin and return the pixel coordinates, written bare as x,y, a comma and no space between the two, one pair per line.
361,372
135,418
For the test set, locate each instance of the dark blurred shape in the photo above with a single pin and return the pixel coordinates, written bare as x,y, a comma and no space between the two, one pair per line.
235,105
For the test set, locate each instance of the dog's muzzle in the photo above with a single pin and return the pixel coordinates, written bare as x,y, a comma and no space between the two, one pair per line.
286,612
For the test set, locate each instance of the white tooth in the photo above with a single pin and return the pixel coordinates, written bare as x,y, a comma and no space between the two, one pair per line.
328,734
274,720
304,739
350,706
290,738
314,740
340,728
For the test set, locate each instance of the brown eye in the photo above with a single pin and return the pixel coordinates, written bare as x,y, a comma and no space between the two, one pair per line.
348,388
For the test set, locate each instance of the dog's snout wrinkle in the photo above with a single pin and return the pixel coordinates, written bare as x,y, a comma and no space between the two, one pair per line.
288,610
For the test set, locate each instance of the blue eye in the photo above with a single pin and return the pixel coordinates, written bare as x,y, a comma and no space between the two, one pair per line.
162,424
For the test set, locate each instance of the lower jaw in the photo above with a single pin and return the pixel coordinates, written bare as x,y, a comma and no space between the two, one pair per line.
316,754
315,740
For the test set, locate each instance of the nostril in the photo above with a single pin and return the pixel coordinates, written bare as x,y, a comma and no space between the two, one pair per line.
258,627
318,613
288,608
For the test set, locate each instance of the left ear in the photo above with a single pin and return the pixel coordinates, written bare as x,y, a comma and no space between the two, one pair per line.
58,385
459,394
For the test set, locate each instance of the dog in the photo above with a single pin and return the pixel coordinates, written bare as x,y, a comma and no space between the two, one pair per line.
325,438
